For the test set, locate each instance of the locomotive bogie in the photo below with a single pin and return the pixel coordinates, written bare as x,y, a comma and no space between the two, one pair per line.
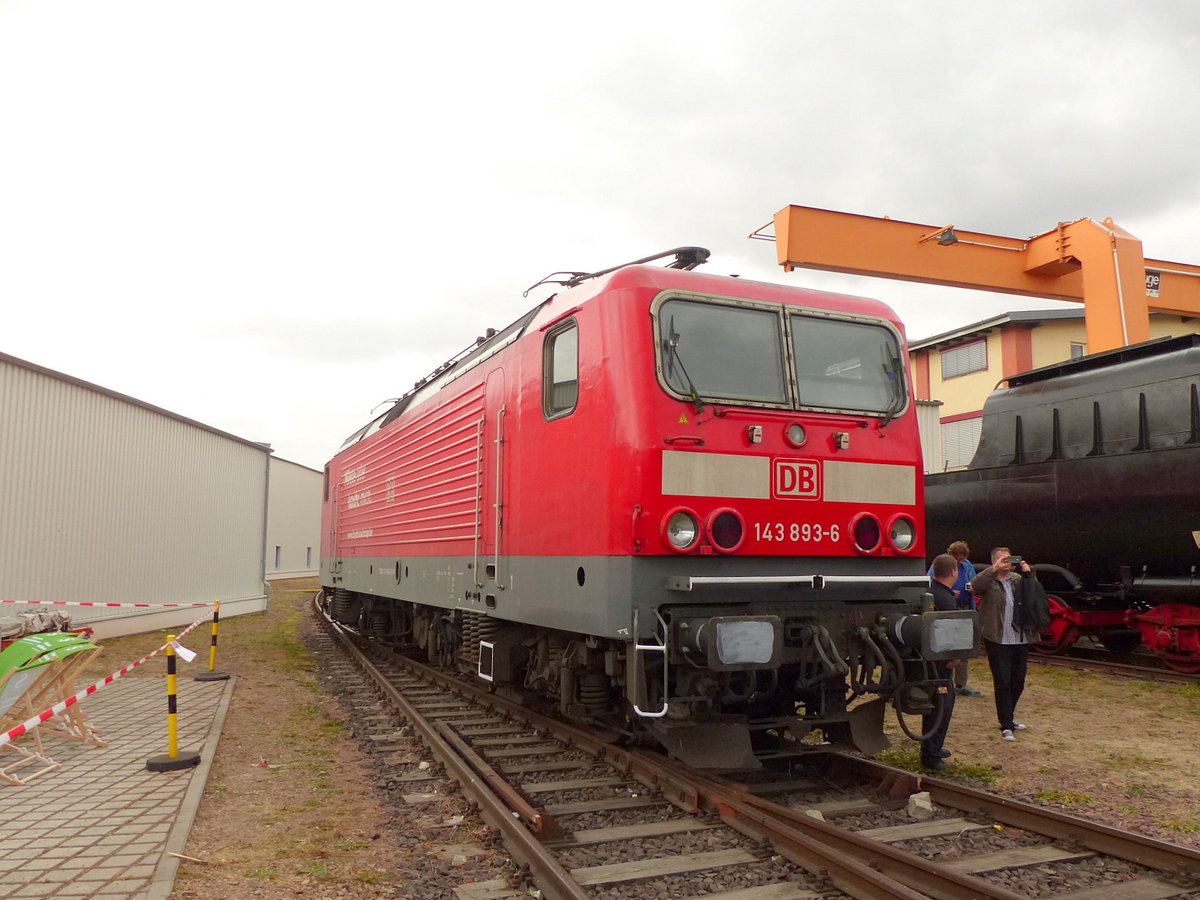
659,497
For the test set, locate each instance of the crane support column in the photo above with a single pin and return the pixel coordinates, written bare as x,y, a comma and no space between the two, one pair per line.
1116,311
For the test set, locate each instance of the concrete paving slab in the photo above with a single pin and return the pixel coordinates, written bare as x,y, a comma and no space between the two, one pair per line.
74,827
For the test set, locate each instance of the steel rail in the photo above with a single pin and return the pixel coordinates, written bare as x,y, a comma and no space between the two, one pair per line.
1137,848
542,824
1092,665
851,862
554,881
784,827
672,785
861,866
849,874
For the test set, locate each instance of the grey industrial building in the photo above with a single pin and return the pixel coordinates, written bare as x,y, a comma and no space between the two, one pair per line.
293,520
106,499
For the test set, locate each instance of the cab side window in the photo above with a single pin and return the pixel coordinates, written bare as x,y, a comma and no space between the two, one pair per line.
560,367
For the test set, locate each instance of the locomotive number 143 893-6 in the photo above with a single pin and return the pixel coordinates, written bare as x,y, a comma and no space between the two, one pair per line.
795,532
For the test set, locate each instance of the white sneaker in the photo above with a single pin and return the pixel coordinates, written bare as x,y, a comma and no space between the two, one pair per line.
1008,735
1017,726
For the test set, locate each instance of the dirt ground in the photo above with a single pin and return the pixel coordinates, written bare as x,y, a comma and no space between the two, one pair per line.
292,810
1101,747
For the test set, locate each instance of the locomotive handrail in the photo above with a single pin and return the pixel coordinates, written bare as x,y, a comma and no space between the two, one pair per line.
660,647
874,579
688,582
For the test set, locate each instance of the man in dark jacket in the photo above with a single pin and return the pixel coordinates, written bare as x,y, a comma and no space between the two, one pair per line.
1004,637
943,572
966,571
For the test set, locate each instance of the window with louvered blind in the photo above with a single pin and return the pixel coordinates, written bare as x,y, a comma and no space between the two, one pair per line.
960,440
964,359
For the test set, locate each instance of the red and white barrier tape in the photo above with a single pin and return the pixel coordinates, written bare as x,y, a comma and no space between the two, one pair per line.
92,603
30,724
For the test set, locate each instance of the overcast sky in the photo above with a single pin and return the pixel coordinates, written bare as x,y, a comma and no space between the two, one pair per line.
272,216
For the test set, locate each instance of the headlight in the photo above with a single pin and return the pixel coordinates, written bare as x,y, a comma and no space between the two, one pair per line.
951,636
683,530
746,642
867,533
731,643
794,434
726,530
936,635
902,533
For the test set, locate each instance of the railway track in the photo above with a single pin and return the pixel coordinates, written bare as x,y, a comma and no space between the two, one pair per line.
585,818
1139,668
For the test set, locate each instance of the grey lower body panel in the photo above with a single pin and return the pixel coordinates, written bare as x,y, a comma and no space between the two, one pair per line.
588,595
600,595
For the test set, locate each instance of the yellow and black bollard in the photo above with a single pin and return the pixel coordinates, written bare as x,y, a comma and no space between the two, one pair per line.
174,760
212,674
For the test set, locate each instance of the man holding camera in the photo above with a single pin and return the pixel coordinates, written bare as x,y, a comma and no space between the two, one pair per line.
998,588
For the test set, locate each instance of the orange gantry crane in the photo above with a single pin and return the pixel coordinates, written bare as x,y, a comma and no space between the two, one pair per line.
1095,263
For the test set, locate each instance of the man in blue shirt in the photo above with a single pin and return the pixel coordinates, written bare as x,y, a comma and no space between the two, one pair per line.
962,593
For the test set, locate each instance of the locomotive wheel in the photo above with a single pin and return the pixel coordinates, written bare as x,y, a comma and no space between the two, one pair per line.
1061,633
1172,631
1186,665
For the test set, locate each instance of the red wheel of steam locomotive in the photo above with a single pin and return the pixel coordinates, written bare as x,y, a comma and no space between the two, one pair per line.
1185,665
1172,631
1062,631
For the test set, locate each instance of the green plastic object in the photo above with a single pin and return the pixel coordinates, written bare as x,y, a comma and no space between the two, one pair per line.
52,640
40,649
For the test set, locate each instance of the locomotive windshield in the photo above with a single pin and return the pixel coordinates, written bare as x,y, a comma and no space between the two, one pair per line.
722,352
847,365
737,353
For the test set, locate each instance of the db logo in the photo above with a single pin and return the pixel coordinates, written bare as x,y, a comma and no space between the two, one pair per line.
796,479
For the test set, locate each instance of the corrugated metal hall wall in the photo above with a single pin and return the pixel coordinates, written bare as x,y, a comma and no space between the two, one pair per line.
108,499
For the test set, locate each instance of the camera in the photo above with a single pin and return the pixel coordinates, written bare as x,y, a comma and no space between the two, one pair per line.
1016,560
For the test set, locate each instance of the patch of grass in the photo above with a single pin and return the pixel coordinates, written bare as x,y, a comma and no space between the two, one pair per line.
1133,761
1190,691
263,873
907,756
1047,770
1139,790
1065,798
1185,826
350,844
330,728
283,639
318,869
370,877
1068,680
966,772
902,756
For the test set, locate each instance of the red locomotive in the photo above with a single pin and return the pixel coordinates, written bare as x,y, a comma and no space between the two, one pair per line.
683,505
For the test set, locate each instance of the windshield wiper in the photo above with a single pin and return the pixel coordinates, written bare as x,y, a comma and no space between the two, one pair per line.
671,352
892,373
